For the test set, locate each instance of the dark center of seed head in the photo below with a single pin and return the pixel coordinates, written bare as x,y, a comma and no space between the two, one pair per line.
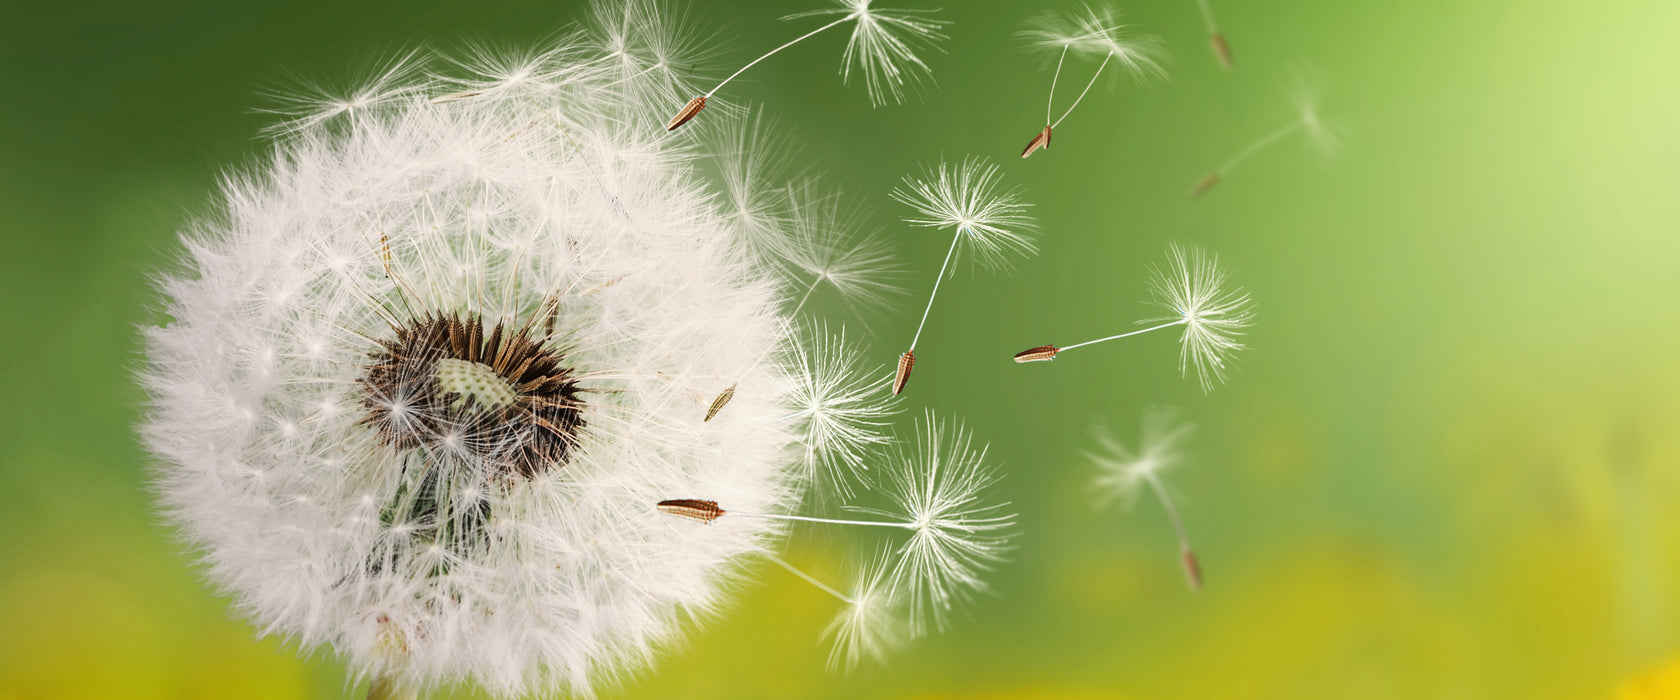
504,401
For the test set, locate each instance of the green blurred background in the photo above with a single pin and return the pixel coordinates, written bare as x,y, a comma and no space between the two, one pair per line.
1447,469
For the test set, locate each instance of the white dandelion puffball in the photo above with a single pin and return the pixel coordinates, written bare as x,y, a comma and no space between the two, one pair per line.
426,373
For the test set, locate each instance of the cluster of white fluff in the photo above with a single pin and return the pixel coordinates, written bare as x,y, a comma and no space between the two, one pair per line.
539,192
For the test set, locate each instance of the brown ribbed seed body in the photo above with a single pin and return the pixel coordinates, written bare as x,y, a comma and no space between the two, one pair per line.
688,111
1041,353
1222,50
906,362
1206,184
1042,140
1192,570
719,402
703,511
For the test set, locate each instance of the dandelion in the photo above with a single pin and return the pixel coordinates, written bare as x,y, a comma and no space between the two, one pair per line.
882,47
1089,33
426,372
1122,472
1221,48
939,492
1193,288
988,223
1308,121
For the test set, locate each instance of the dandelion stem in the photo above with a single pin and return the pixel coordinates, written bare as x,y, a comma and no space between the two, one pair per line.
773,52
1264,141
812,580
1123,335
1052,102
830,521
1087,90
936,281
383,688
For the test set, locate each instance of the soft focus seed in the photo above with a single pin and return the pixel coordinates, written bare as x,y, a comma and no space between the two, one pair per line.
1222,50
1206,184
1042,140
703,511
1192,570
906,362
719,402
1041,353
688,111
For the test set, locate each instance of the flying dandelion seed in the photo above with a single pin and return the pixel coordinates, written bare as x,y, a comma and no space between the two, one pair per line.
989,223
939,492
1216,38
1122,472
422,382
820,240
1192,287
882,47
1089,33
1309,122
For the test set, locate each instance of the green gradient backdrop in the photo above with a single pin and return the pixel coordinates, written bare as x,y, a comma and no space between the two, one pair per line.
1448,469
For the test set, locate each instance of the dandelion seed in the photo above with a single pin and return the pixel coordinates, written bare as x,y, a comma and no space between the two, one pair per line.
939,493
1042,353
1192,286
989,223
1221,49
822,243
1122,472
1089,33
435,453
1308,121
703,511
718,403
901,376
882,47
942,488
839,410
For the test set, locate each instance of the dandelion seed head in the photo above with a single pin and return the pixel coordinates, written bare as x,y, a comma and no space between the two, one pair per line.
990,220
883,47
429,369
1122,470
1194,288
1096,32
942,486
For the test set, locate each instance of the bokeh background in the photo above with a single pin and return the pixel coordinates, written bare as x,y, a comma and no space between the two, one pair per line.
1448,468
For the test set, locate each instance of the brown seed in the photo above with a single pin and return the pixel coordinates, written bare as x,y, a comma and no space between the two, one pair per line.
1042,140
1222,50
906,362
1206,184
385,252
1192,570
719,402
703,511
1042,353
688,111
